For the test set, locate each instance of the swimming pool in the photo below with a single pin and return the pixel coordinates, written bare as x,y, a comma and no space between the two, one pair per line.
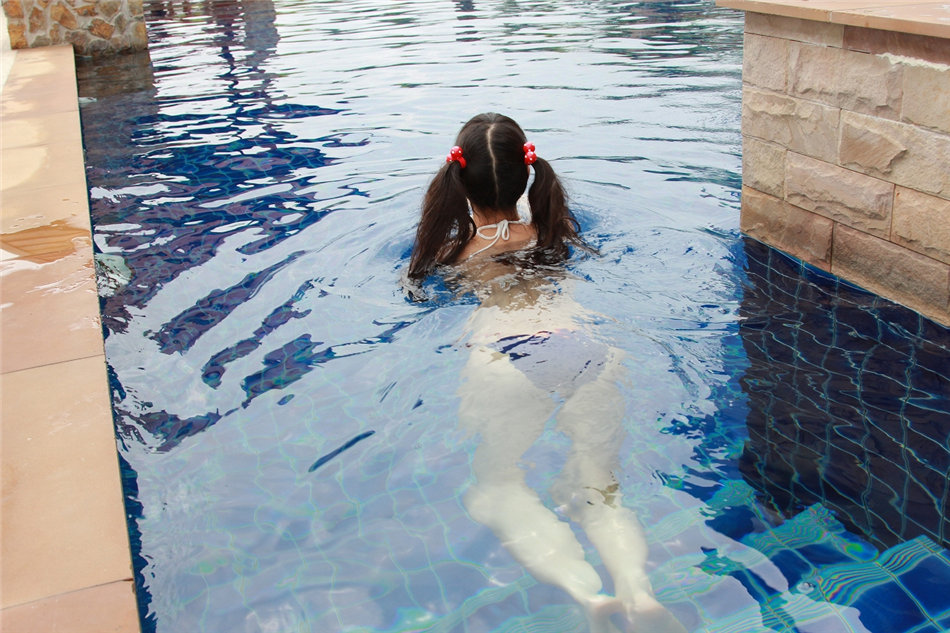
288,419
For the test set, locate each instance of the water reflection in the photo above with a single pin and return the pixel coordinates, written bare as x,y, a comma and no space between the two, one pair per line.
849,403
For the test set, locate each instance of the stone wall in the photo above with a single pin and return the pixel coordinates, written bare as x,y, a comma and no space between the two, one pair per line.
93,27
846,153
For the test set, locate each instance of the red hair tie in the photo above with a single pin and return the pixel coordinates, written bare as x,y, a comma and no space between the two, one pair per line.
455,154
529,155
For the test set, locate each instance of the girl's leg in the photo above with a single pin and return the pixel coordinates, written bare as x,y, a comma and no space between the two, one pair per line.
591,418
509,413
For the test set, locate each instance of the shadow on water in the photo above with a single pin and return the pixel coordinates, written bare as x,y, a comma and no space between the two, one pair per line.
849,402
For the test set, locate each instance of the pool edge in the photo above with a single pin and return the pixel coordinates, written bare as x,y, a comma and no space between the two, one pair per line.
66,564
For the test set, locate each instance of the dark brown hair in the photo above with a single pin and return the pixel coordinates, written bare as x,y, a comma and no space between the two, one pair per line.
494,177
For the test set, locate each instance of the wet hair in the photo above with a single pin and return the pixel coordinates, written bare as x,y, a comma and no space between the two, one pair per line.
494,177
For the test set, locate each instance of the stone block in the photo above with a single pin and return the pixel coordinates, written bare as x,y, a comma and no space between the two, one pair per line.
13,9
800,233
846,79
60,13
897,152
927,96
139,36
840,194
87,10
922,223
893,271
794,29
108,8
763,166
802,126
17,33
765,62
877,42
37,20
101,28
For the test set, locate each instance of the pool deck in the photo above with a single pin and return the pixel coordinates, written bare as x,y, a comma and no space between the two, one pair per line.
905,16
65,562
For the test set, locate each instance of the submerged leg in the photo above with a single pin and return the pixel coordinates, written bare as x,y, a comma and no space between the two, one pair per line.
509,413
590,494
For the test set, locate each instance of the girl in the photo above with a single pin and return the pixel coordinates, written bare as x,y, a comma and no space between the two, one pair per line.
533,357
488,168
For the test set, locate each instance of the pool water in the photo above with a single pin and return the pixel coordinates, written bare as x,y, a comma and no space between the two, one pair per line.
288,419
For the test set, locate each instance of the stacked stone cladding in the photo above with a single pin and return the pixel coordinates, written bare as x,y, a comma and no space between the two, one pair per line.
846,153
93,27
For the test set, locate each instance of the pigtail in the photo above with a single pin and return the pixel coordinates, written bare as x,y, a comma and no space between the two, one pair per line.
445,226
557,228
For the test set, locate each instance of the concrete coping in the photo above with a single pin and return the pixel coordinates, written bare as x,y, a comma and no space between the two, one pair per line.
65,564
903,16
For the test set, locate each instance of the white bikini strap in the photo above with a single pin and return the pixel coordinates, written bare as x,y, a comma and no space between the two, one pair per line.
502,232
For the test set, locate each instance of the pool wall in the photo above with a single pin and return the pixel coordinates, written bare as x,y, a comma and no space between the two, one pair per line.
93,27
65,563
846,142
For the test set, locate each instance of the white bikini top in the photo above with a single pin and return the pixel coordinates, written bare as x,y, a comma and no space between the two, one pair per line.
502,232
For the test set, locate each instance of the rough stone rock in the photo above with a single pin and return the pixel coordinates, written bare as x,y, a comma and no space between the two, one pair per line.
60,13
843,195
13,9
922,223
893,271
904,154
798,232
846,79
794,29
927,96
763,166
37,20
802,126
101,29
765,62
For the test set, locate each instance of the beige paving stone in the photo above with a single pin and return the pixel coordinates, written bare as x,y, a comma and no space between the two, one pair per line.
924,18
30,209
103,609
763,166
927,96
802,126
892,271
765,62
846,79
50,308
840,194
922,223
921,18
900,153
795,29
59,447
41,129
39,166
800,233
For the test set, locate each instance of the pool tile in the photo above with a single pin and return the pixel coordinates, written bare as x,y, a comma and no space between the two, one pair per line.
94,610
62,516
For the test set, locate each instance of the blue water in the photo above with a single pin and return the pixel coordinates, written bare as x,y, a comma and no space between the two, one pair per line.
288,419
